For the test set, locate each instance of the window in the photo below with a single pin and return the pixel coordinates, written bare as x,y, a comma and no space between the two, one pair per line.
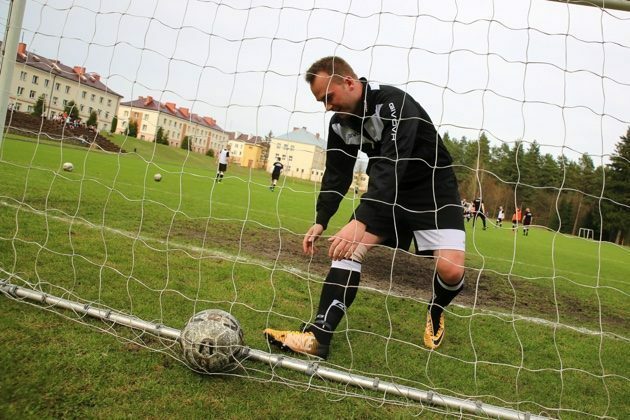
146,116
82,107
67,89
292,147
35,79
93,97
99,112
107,115
46,82
32,94
17,106
20,90
23,75
109,102
100,101
126,114
144,127
57,86
55,99
83,94
30,108
90,109
290,158
65,102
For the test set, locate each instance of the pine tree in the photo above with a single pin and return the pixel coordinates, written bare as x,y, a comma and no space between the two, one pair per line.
40,108
617,192
114,124
91,122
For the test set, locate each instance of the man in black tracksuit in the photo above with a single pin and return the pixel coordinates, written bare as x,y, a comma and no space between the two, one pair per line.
412,195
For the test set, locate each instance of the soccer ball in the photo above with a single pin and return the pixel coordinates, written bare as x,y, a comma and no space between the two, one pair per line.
157,177
212,341
68,166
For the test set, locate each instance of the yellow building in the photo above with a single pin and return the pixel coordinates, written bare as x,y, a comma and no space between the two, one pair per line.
302,153
177,123
247,151
36,76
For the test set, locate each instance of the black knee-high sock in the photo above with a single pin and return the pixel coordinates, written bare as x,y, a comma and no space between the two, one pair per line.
443,294
338,293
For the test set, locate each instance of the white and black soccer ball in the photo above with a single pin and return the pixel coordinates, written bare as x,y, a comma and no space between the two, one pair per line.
157,177
68,166
212,341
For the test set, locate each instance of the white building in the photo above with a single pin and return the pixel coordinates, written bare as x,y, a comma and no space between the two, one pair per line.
302,153
35,76
176,123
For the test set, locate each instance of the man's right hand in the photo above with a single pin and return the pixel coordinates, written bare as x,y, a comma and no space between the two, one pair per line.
308,244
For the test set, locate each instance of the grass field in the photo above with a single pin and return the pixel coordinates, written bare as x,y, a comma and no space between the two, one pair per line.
543,327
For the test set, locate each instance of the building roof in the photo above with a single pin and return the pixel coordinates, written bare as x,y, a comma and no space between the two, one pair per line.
170,108
57,68
245,138
303,136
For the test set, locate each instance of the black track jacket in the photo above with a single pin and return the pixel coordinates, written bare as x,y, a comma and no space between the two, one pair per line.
409,165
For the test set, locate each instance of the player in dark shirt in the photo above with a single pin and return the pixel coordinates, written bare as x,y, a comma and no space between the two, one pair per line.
412,195
479,211
527,221
275,174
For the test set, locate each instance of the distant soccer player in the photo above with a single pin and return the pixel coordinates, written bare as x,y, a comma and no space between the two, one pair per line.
412,194
516,218
480,211
223,161
500,217
527,220
275,174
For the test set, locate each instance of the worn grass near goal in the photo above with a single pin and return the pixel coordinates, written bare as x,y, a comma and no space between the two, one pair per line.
554,341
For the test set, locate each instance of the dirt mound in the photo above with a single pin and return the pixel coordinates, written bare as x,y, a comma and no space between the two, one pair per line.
29,125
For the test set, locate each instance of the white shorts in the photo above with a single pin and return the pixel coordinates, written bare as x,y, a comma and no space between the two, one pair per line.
428,240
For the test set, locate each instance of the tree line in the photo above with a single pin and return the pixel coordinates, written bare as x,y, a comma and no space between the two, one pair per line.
564,195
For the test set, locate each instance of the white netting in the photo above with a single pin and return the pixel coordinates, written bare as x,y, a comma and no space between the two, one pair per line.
531,99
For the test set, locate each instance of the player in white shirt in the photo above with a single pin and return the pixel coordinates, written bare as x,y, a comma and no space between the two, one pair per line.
500,217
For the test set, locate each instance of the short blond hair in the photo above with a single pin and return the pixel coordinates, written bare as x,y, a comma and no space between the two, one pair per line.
332,65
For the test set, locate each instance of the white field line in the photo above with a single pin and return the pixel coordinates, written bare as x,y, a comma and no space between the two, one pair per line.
206,252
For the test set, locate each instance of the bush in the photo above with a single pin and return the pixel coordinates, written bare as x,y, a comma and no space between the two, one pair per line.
210,153
39,109
185,143
132,130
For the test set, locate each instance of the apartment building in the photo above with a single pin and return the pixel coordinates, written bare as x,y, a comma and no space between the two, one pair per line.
35,76
177,123
302,153
248,151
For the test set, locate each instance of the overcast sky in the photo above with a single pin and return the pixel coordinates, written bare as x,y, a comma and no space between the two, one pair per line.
556,73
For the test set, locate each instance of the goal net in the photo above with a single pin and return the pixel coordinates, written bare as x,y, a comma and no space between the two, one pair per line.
119,212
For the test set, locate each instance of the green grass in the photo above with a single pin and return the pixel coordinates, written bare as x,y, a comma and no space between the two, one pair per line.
108,234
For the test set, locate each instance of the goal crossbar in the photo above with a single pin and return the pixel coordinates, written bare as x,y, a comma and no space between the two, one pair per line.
603,4
313,369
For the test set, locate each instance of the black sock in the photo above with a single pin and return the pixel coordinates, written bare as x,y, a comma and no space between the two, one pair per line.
338,293
443,294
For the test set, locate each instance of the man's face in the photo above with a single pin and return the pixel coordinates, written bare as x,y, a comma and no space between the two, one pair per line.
337,94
